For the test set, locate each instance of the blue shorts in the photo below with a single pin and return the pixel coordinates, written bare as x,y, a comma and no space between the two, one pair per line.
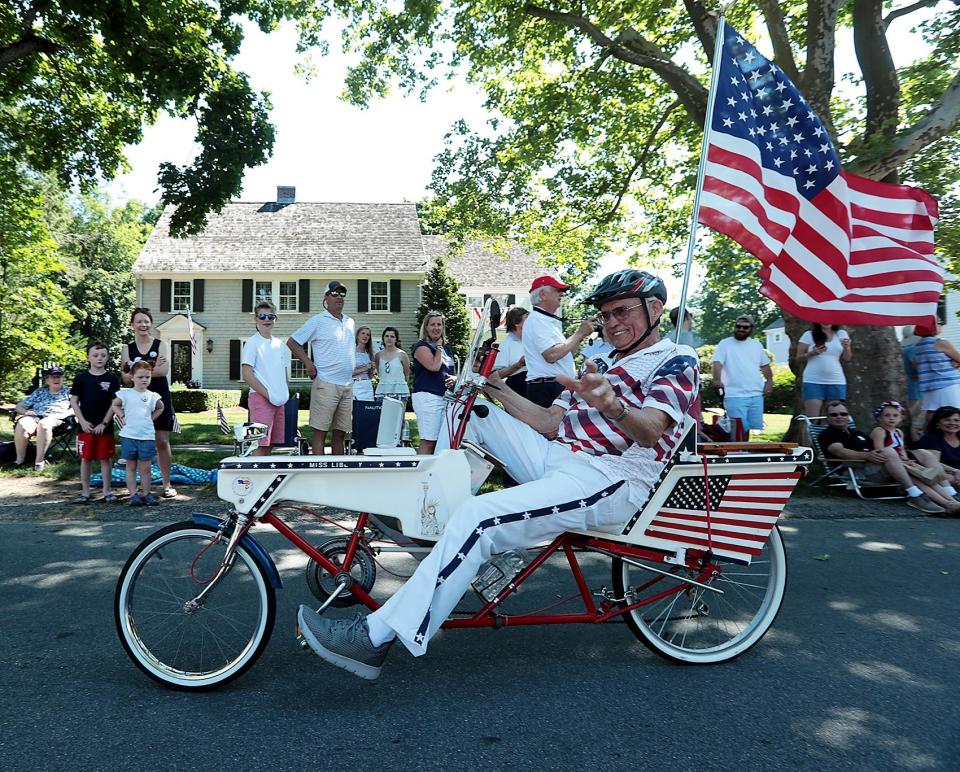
824,391
137,450
748,409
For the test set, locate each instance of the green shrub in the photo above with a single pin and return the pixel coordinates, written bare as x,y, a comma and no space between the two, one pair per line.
197,400
784,386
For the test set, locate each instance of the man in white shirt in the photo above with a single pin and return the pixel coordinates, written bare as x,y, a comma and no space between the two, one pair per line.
545,349
742,375
331,336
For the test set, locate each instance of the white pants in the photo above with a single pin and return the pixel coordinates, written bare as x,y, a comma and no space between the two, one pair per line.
560,491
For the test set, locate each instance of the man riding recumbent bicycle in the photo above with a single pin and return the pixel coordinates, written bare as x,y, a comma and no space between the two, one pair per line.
611,467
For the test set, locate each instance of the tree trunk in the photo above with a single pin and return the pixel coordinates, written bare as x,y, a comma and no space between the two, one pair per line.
874,376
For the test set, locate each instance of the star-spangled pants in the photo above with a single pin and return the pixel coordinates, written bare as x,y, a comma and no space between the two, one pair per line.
560,491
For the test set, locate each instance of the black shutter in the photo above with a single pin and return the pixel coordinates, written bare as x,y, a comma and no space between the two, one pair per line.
363,296
511,300
166,293
197,296
246,301
395,295
303,296
234,360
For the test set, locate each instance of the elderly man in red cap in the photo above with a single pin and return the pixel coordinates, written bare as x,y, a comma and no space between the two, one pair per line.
545,349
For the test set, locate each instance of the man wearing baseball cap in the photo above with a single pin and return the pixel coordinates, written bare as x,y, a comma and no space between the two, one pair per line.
331,335
545,349
738,364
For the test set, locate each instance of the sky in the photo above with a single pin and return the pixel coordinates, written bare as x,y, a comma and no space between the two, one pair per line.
332,151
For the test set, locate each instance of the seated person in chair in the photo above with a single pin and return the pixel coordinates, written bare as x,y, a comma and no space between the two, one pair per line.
614,433
39,414
884,464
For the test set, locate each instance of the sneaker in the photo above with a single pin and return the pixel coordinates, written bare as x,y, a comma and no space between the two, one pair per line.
136,500
150,500
924,504
343,642
109,498
38,467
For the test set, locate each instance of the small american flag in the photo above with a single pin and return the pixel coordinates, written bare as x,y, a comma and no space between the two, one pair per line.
192,332
743,510
835,247
222,421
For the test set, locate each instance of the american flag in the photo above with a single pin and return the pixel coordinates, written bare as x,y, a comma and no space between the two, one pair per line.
744,507
836,248
191,331
222,421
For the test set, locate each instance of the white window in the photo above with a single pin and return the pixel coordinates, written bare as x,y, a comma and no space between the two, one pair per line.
283,294
182,295
288,296
297,370
262,290
776,337
379,296
475,301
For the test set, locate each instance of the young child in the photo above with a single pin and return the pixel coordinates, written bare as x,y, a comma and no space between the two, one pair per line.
137,408
263,364
921,465
91,398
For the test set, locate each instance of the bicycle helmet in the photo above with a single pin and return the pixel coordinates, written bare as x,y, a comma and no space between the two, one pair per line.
628,283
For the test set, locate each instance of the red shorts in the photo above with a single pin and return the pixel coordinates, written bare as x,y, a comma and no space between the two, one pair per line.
95,447
274,416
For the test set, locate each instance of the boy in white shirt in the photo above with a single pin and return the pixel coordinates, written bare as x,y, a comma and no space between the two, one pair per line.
264,367
137,408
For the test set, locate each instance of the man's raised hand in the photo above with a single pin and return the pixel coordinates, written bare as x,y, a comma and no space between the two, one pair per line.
593,388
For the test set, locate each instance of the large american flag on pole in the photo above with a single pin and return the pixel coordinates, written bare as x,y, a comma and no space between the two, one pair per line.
836,248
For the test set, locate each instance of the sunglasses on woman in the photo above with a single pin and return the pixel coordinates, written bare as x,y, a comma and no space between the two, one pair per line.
264,317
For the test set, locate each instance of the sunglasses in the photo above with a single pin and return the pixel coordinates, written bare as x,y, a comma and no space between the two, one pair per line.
263,317
386,366
743,326
338,293
620,314
834,415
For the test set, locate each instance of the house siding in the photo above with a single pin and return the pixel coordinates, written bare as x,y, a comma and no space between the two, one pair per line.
224,321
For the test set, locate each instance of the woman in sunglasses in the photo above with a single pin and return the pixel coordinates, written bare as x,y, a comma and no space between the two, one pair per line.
264,363
433,372
362,385
393,366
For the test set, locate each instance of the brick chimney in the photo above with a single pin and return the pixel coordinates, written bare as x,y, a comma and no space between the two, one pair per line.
286,194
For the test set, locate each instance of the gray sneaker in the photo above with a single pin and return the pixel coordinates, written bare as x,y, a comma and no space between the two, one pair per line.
136,500
343,642
924,504
150,500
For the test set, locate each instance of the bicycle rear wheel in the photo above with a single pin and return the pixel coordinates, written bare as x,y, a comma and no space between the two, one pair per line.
694,625
192,648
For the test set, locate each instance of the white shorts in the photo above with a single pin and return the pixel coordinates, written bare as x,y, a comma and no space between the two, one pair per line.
430,410
948,396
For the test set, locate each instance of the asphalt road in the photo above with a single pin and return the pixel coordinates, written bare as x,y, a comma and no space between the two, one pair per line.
860,671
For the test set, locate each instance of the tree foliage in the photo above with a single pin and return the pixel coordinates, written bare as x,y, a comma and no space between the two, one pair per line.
79,79
441,292
597,111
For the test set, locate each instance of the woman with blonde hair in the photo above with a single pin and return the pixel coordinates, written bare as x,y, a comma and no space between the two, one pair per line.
433,372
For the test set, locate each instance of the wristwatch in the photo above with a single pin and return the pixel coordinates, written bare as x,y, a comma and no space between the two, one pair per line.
623,413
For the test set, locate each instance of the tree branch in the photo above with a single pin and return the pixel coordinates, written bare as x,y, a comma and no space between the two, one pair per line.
29,44
818,76
633,48
777,27
937,123
704,24
896,14
879,71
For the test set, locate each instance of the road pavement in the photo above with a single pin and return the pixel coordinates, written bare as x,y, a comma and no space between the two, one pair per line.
860,671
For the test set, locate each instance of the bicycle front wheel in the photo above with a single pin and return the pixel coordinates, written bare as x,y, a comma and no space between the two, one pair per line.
185,645
691,624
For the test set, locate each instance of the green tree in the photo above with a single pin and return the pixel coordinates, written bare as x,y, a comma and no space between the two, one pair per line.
441,292
597,110
34,320
79,79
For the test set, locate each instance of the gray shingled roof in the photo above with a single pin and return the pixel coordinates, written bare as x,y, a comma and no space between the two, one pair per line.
299,237
478,266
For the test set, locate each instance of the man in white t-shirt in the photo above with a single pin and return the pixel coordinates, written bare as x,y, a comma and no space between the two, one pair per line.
742,375
547,352
331,336
614,433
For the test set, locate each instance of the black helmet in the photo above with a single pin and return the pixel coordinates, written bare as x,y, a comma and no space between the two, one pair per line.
628,283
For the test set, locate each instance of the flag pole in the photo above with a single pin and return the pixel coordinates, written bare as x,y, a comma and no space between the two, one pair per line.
711,98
